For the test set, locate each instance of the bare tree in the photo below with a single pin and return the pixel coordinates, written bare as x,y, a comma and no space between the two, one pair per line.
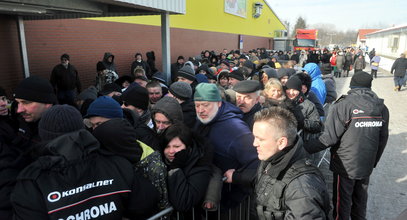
299,24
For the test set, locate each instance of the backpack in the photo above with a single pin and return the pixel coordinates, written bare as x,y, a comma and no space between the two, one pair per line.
276,198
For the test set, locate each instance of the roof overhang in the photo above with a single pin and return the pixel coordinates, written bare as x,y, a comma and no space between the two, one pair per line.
59,9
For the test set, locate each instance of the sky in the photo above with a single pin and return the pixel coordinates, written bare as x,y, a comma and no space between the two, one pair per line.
344,14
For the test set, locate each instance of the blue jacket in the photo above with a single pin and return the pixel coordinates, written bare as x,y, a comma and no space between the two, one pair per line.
318,85
232,141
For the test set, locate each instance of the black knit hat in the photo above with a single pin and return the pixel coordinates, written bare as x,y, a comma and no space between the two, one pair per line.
187,72
361,79
294,83
237,74
35,89
181,90
65,56
100,66
59,120
109,88
136,96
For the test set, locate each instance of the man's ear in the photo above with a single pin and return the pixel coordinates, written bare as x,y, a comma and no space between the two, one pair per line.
282,143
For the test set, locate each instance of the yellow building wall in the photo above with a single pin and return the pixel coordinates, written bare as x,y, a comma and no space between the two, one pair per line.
209,15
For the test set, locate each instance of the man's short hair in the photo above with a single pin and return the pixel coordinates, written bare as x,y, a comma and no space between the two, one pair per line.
153,84
282,120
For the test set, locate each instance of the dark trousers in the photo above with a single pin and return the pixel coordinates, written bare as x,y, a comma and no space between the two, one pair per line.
349,198
66,97
374,73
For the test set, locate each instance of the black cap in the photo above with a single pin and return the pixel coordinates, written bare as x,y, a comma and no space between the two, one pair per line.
361,79
36,89
247,86
109,88
294,83
237,74
136,96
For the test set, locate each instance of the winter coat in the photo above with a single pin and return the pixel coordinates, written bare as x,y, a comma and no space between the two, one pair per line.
304,197
356,129
348,61
233,149
142,131
188,111
359,64
119,137
110,65
143,65
314,99
65,79
187,184
248,117
9,166
399,67
330,86
375,59
73,178
317,85
340,62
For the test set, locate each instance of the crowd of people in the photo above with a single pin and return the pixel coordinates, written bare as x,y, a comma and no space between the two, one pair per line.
229,126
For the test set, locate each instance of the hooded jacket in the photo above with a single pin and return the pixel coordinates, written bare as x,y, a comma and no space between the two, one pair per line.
109,65
356,129
233,149
72,179
317,85
330,86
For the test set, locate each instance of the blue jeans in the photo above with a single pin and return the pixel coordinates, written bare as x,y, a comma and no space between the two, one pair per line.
398,81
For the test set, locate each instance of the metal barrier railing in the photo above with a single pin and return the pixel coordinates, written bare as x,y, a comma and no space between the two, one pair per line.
243,213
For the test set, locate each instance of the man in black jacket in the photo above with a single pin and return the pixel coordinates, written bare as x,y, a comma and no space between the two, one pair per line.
288,186
356,129
247,99
399,69
65,80
182,92
73,179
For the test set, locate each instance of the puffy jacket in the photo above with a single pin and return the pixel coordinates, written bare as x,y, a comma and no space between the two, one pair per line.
233,149
317,85
72,179
304,197
399,67
356,129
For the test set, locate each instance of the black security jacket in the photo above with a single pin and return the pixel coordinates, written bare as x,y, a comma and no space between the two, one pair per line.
73,179
356,129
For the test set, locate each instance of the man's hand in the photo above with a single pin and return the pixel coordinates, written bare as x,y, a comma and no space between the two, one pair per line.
229,174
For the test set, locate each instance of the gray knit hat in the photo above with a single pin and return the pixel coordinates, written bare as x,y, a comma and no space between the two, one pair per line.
59,120
187,72
181,90
169,107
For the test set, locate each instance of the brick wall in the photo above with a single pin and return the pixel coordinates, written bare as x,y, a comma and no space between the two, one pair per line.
86,41
11,68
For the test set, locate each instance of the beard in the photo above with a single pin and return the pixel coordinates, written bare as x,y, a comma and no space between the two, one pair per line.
210,117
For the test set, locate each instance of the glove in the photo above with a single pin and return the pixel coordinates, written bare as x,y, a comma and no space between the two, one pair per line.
180,159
